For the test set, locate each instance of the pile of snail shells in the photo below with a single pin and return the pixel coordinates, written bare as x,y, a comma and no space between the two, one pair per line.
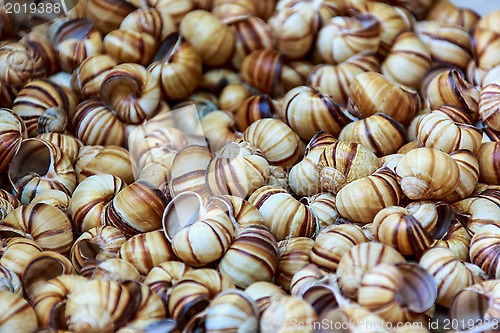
251,166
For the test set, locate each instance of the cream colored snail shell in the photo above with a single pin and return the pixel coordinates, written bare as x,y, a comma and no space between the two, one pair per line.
17,252
17,314
108,159
294,255
13,132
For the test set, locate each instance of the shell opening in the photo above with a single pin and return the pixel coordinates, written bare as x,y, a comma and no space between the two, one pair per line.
89,249
39,156
183,211
119,88
42,269
168,47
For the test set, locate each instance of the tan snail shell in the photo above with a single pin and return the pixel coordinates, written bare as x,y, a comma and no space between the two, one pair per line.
16,314
147,250
373,92
99,243
489,105
283,214
262,69
108,15
279,144
149,309
323,204
152,21
216,79
457,239
304,178
194,291
380,133
237,169
427,173
116,270
177,9
385,290
88,77
189,169
469,170
233,96
489,162
408,51
254,108
16,252
68,144
13,131
333,242
360,200
488,21
218,128
448,12
308,110
294,255
283,311
261,292
129,46
137,208
43,106
483,249
109,159
450,273
359,260
65,81
485,44
343,37
252,257
335,80
482,210
210,37
178,67
199,230
293,74
448,43
10,282
75,40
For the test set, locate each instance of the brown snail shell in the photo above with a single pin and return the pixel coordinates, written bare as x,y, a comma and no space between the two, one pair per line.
427,173
233,96
242,213
88,77
177,9
147,250
448,12
149,309
323,204
335,80
107,15
152,21
17,314
485,44
484,249
13,131
56,198
109,159
469,169
372,92
199,230
457,239
489,105
116,270
178,67
227,9
16,253
254,108
261,292
482,210
285,310
218,128
263,69
489,162
68,144
189,169
65,81
294,255
99,243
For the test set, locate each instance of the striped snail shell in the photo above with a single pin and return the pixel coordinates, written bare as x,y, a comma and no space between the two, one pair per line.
237,169
218,129
177,66
427,173
211,38
488,21
252,257
361,259
354,315
194,292
483,211
450,87
109,159
125,46
99,243
489,162
43,267
232,311
43,106
199,230
455,113
342,37
189,170
116,270
164,276
108,15
380,133
485,44
457,239
448,12
137,208
12,132
147,250
10,282
318,143
484,249
254,108
16,314
75,40
261,292
241,212
16,253
448,43
149,309
87,78
230,9
308,110
283,214
279,144
90,199
373,92
469,170
437,130
335,80
294,255
216,79
410,52
323,204
285,310
304,178
68,144
343,162
293,74
450,273
7,94
65,81
177,9
233,96
262,69
398,292
333,242
47,168
151,21
131,92
489,105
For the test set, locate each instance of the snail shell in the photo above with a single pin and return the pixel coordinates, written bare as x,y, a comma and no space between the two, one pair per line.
293,74
263,69
489,162
116,270
354,315
233,96
98,160
178,67
483,211
218,128
252,257
484,249
457,239
284,310
10,282
147,250
108,15
308,110
43,223
68,144
177,9
373,92
261,292
210,37
488,21
294,255
323,204
360,200
189,170
99,243
87,78
241,212
199,230
13,131
152,21
489,105
469,168
16,253
149,309
129,46
304,178
485,44
16,314
359,260
380,133
254,108
448,12
427,173
335,80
